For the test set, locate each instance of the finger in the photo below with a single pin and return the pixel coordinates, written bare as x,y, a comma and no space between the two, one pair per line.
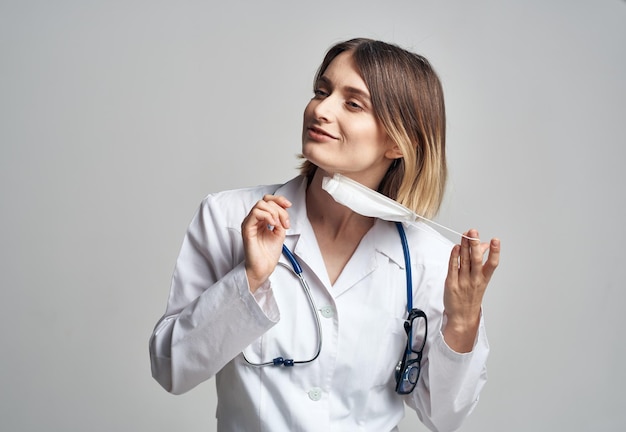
284,218
281,204
256,222
464,257
484,247
476,251
493,259
278,199
265,211
453,265
262,215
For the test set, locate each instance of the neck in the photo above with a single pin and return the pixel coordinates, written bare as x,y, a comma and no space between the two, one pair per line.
326,214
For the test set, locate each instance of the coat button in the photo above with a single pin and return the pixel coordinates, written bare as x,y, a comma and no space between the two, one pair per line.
315,394
327,311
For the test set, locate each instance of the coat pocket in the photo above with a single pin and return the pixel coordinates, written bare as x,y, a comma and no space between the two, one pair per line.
389,352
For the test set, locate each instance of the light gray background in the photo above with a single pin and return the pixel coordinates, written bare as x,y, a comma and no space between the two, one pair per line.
117,118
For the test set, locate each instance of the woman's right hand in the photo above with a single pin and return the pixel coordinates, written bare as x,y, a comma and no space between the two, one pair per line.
263,232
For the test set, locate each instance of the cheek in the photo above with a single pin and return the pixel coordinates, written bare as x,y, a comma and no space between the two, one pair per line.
367,132
308,109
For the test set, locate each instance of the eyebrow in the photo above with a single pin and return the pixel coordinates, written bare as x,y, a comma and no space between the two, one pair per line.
348,89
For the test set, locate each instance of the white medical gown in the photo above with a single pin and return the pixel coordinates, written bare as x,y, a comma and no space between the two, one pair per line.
211,317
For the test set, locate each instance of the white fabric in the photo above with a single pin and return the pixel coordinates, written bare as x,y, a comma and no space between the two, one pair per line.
367,202
211,317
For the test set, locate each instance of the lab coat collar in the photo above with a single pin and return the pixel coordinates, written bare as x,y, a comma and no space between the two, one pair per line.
300,238
384,234
387,241
295,191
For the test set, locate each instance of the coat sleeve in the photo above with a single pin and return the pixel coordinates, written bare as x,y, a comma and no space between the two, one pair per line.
211,315
451,383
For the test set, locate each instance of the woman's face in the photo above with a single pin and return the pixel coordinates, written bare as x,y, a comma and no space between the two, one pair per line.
340,132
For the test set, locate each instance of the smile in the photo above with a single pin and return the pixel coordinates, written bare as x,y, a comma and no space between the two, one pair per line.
319,134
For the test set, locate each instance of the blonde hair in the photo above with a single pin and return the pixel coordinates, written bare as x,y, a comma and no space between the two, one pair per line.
407,99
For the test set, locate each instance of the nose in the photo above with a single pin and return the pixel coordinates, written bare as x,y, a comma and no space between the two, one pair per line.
324,109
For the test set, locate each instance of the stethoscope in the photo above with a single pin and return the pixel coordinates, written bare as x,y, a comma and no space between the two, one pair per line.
297,270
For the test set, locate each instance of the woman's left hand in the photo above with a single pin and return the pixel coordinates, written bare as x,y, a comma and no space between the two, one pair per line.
465,287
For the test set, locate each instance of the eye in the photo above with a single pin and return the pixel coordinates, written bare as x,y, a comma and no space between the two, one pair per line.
319,93
354,105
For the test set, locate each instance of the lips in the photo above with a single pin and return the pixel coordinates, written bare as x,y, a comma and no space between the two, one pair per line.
317,133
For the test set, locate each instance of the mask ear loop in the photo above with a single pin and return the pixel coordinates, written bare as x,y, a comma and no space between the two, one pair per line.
441,226
332,186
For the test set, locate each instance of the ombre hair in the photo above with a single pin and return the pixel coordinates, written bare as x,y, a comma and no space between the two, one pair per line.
407,99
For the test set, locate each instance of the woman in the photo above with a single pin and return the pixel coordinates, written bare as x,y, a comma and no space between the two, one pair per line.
377,117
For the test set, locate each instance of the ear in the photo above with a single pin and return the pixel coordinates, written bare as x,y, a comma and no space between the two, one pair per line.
394,152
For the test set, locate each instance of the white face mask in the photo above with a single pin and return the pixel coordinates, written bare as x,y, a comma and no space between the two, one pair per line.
367,202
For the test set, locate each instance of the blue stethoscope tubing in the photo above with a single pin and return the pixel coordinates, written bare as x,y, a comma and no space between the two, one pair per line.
297,270
407,265
287,362
409,276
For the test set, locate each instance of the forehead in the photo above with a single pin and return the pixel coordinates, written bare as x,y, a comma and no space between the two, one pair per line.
343,72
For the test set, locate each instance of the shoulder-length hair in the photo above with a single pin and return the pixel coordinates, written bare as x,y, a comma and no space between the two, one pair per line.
407,99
